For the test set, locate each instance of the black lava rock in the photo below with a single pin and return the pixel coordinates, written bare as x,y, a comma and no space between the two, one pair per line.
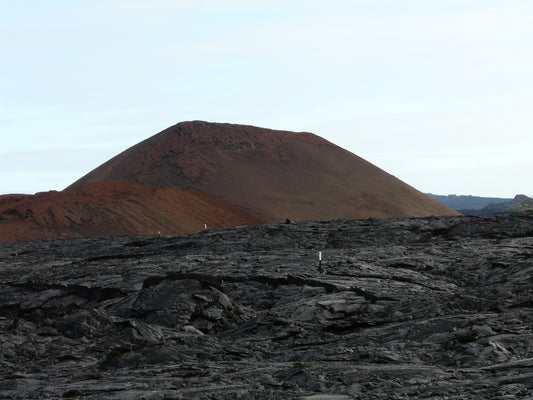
403,308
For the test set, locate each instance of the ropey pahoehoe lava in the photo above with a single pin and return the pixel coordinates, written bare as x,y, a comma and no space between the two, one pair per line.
413,308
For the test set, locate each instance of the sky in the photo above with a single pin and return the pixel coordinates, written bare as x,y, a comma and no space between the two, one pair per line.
436,92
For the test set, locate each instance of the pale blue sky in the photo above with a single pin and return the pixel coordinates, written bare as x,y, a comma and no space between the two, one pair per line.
435,92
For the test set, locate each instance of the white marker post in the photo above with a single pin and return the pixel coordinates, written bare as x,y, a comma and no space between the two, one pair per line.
320,269
205,227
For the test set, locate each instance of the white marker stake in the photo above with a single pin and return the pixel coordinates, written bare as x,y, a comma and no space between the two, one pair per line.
320,269
205,227
319,256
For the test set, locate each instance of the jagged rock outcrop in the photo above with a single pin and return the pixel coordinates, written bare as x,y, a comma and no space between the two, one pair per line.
405,308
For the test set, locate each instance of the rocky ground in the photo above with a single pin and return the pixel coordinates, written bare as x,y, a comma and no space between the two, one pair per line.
426,308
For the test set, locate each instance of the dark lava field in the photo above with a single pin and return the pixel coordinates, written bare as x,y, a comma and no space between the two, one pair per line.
421,308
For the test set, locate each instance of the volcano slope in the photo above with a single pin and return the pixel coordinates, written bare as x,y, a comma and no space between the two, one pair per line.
425,308
274,175
113,208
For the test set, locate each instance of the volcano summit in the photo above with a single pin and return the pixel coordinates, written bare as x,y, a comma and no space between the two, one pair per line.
274,175
197,173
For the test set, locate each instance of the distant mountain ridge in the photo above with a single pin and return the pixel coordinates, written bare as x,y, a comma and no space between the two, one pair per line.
467,202
470,205
518,204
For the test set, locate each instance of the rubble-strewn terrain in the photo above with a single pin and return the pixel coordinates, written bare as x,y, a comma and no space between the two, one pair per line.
426,308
